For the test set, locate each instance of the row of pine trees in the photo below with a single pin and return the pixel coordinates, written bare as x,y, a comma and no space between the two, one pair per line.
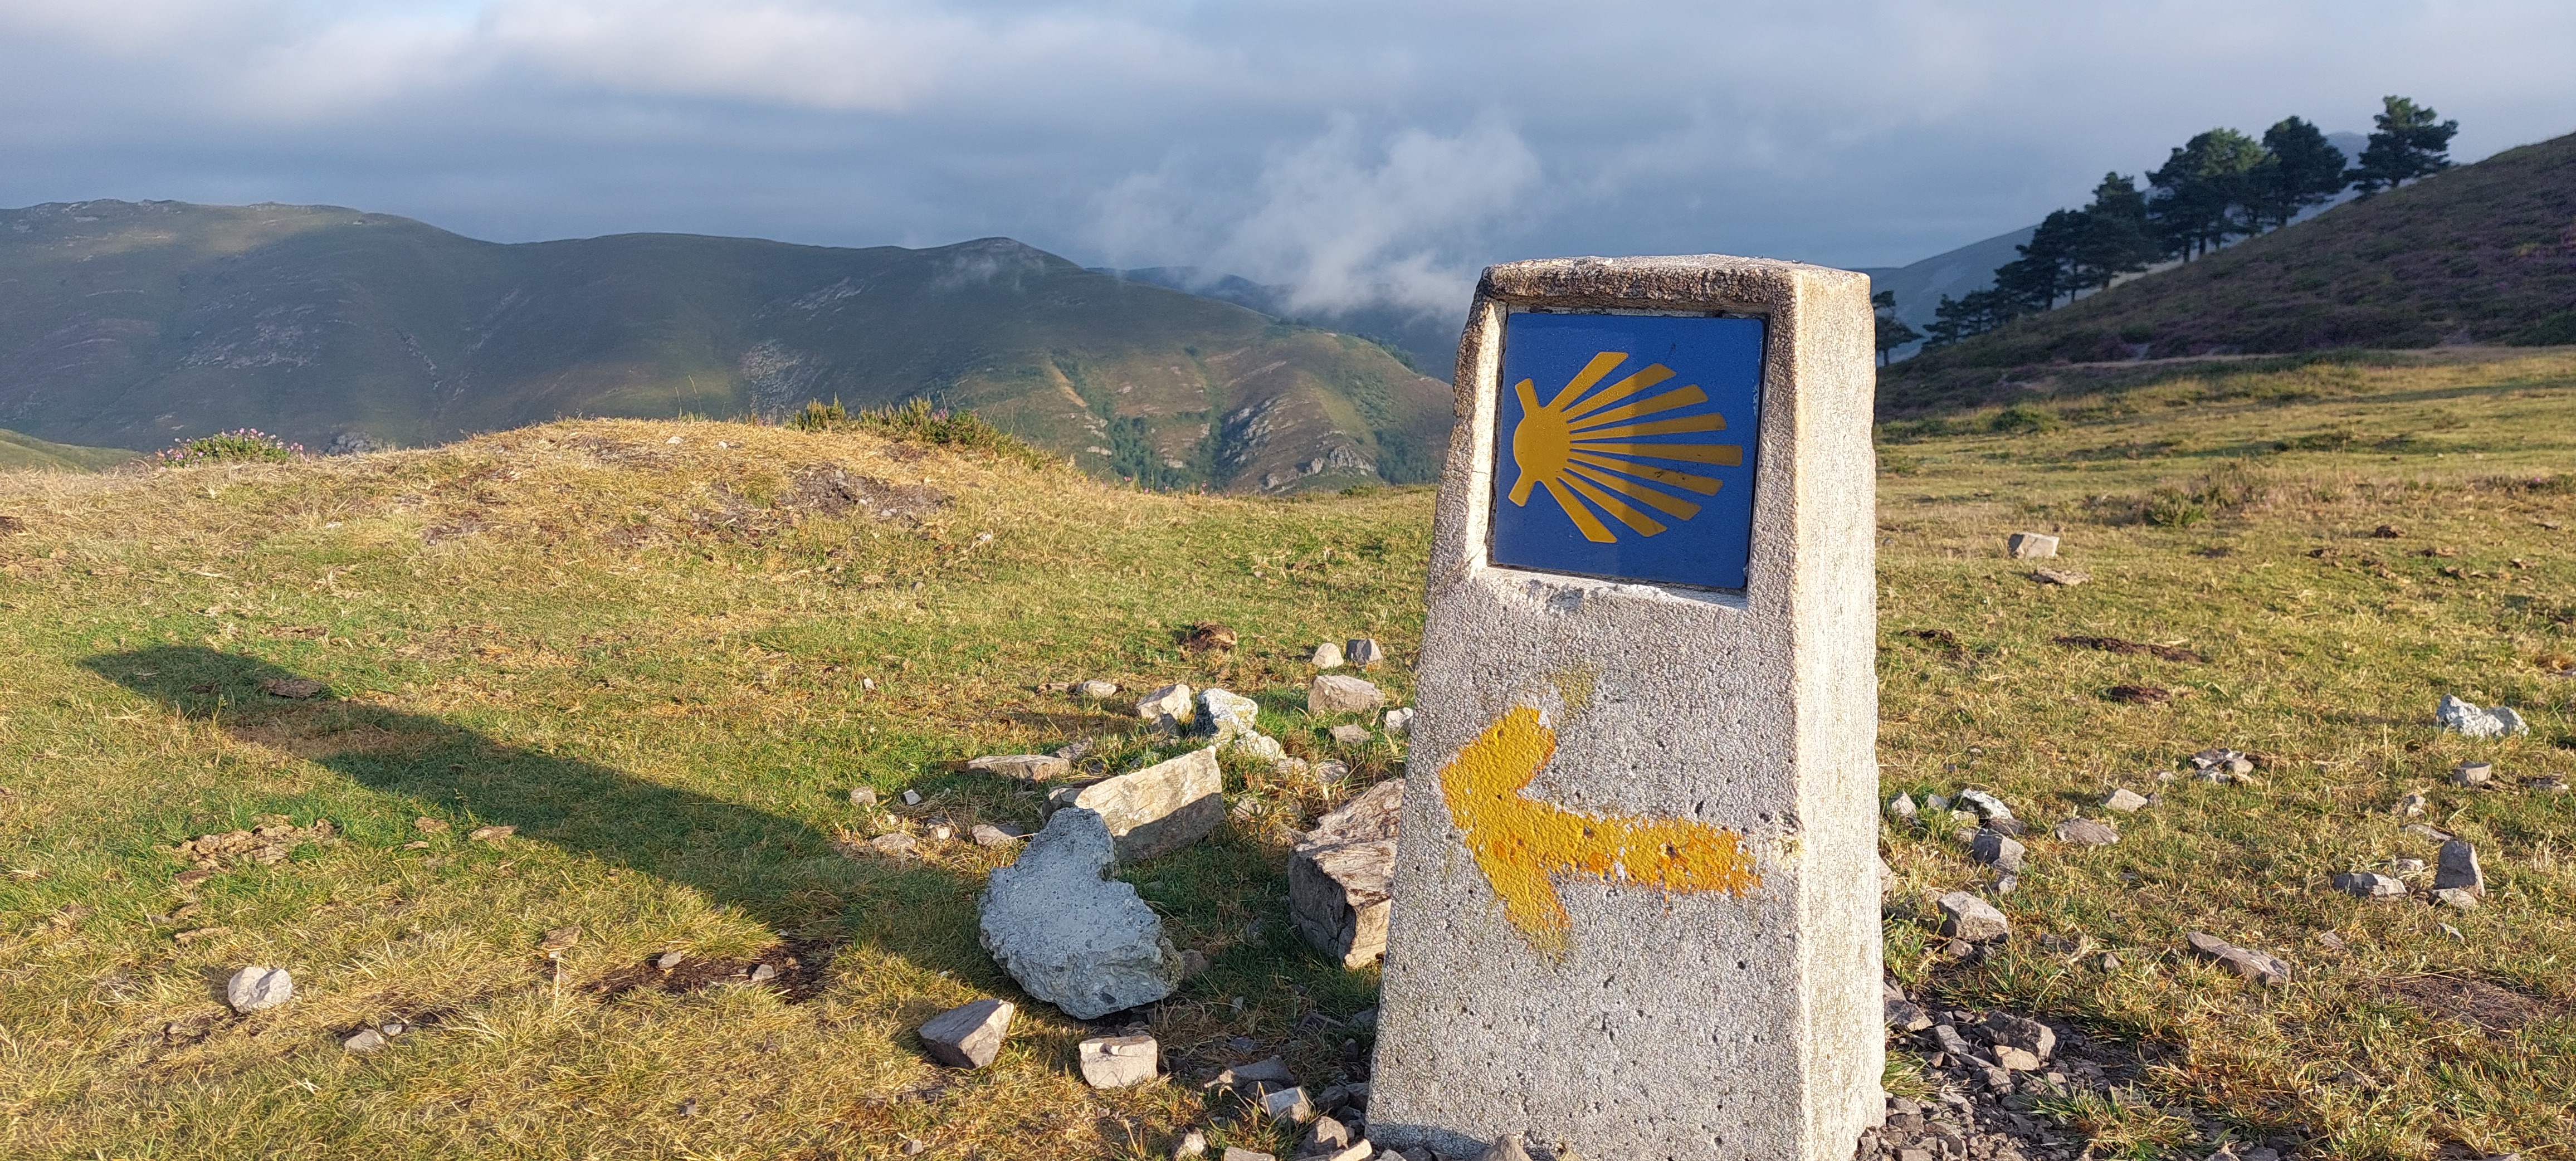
2218,186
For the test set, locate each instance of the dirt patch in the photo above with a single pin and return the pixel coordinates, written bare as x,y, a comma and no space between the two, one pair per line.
1939,637
829,491
795,971
616,451
2492,1008
302,740
11,524
2140,694
2116,645
267,844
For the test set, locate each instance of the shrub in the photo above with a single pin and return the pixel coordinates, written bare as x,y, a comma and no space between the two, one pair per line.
2021,418
245,445
917,421
2173,508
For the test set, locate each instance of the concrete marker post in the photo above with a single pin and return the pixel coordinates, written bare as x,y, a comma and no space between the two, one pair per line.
1636,905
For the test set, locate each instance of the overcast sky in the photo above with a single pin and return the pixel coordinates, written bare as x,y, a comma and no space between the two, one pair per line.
1354,149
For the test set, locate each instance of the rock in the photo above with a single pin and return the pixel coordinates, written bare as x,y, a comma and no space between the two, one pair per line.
2467,719
1508,1148
2456,897
2032,1039
1333,693
257,987
1330,770
1235,1154
2405,867
427,825
863,796
1096,689
2369,885
1118,1061
298,688
2068,578
1259,748
2251,964
2422,831
1966,917
1399,722
968,1035
2125,800
1327,656
491,834
1156,810
1025,767
1986,805
1901,808
1224,716
2223,760
1364,652
2411,806
670,959
912,798
1935,803
2006,884
1171,701
2110,961
896,844
1068,933
2085,832
2030,546
1287,1104
1350,735
1340,877
2472,773
1995,849
2459,869
363,1041
1328,1137
1905,1015
1193,962
986,834
1191,1144
1272,1073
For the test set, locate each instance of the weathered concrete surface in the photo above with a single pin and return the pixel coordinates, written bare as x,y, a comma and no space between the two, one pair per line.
1067,932
1691,1025
1156,810
1340,877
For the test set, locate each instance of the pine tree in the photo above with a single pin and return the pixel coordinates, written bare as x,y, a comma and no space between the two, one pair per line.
2046,267
2203,191
1966,317
2304,169
2408,144
1892,331
2117,239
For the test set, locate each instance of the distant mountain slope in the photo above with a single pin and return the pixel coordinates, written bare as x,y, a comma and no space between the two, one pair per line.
128,324
1426,342
2483,253
21,452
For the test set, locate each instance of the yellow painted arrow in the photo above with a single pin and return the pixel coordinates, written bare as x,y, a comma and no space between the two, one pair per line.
1519,842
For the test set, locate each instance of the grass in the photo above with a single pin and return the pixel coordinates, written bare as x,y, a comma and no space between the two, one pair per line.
653,658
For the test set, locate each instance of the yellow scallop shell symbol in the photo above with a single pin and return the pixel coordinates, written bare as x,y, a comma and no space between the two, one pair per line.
1582,447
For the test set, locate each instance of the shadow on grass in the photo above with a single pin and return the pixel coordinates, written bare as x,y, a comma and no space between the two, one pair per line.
777,870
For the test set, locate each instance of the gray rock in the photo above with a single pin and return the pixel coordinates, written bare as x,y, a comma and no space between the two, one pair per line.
1271,1073
2064,577
2411,806
1507,1148
365,1040
1259,747
1224,716
2464,718
2030,546
1097,690
1192,1144
1156,810
2405,867
896,845
1966,917
1334,693
2459,869
1331,770
968,1035
1399,722
1328,1137
1364,652
1171,701
912,798
1327,656
1905,1015
1995,849
1118,1061
1351,735
986,834
2456,897
2085,832
2422,831
2028,1036
2251,964
1026,767
1901,807
863,796
257,987
2006,884
2369,885
1288,1104
1936,803
1986,805
1340,877
2511,721
2125,800
2472,773
1068,933
1236,1154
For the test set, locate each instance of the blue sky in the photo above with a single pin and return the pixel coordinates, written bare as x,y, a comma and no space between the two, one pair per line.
1359,151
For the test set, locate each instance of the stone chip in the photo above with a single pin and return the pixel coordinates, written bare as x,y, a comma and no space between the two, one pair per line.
969,1035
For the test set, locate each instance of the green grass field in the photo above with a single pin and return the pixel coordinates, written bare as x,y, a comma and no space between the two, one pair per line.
653,659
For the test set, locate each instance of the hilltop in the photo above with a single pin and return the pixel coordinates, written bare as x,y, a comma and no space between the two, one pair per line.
129,324
2484,253
19,452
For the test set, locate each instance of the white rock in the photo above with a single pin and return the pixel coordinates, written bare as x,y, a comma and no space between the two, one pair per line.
986,834
1340,877
1336,693
912,798
2467,719
1901,808
1964,916
2251,964
257,987
2085,832
1096,689
1026,767
1288,1104
1985,804
1327,656
1223,715
968,1035
1399,722
1351,735
2473,773
2030,545
1158,809
2125,800
2369,884
363,1041
1259,747
1067,932
1118,1061
1171,701
863,796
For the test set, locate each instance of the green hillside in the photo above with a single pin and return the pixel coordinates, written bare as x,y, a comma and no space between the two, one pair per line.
2485,253
131,324
20,452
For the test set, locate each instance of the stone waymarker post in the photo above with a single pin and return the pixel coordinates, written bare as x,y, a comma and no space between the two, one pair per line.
1636,909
